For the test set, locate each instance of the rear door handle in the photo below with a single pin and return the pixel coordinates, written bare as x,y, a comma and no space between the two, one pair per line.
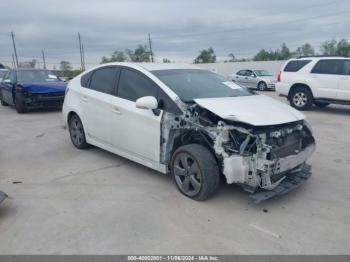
116,110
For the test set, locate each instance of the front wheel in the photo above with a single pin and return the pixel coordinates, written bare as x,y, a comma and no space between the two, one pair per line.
301,98
195,171
262,86
19,104
76,131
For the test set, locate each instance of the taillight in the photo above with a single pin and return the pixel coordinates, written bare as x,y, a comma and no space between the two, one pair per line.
279,76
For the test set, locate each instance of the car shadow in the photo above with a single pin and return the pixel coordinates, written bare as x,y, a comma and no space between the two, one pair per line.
333,109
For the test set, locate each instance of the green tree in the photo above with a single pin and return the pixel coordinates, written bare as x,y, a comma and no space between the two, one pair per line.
65,66
117,56
343,48
205,56
329,47
140,54
264,55
232,57
304,50
283,53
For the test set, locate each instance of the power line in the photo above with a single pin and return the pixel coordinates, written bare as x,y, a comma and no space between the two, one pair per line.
43,54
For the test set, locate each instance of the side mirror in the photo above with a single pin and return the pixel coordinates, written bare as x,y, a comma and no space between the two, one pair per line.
147,102
7,81
252,75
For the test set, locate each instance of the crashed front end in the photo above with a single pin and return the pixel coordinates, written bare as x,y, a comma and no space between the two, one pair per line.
264,160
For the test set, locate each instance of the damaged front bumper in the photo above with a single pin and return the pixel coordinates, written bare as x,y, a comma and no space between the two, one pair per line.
3,196
291,182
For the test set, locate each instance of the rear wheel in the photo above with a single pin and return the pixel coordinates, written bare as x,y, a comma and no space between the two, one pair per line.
301,98
195,172
19,104
76,131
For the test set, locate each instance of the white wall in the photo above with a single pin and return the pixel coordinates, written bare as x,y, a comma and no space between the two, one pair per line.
227,69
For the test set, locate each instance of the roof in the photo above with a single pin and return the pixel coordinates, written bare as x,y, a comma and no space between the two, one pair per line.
157,66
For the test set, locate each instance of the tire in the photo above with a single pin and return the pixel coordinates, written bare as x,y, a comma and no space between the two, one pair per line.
262,86
321,104
76,132
195,172
301,98
19,104
3,103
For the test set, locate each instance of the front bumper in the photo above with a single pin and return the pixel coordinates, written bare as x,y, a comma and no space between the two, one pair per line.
271,86
46,100
291,182
3,196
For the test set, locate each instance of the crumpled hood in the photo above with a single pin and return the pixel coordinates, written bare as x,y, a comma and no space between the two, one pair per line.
256,110
46,87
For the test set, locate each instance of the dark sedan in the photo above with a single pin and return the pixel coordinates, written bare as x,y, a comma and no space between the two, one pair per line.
31,89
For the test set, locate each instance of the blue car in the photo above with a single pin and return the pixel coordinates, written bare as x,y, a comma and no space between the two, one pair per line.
32,89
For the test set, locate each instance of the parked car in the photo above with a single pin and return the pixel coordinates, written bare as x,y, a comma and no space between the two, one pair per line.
256,79
31,88
3,196
192,123
315,80
2,73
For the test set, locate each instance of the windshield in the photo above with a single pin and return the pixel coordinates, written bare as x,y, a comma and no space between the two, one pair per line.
262,73
36,76
2,73
190,84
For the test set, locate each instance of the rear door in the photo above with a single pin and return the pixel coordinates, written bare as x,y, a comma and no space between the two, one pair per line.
325,76
96,103
344,82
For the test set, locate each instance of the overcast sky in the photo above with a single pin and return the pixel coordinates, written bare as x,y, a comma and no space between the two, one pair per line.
179,28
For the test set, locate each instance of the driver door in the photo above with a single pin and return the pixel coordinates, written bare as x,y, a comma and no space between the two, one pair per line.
135,131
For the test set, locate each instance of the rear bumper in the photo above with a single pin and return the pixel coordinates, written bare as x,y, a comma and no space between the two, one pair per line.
282,88
291,182
3,196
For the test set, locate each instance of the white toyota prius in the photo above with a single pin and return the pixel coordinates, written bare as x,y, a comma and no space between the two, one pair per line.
193,124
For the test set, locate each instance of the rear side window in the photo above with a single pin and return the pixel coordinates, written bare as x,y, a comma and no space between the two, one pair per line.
328,66
84,80
295,65
346,70
133,85
241,73
103,80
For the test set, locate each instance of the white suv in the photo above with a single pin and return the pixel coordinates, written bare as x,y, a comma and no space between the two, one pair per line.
315,80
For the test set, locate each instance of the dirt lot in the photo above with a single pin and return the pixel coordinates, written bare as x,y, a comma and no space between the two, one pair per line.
66,201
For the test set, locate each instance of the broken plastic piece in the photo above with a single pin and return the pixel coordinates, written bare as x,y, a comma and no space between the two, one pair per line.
3,196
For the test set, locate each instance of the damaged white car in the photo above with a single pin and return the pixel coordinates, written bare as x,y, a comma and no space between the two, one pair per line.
190,122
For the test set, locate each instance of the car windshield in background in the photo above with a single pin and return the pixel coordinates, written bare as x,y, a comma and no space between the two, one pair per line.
190,84
36,76
262,73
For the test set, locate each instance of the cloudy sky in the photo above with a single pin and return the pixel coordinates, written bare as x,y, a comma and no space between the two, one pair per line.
179,28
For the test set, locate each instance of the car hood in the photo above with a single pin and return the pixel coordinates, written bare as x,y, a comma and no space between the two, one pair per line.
256,110
44,87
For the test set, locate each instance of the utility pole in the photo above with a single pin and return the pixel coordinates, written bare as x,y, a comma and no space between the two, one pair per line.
14,48
150,46
43,54
81,52
13,61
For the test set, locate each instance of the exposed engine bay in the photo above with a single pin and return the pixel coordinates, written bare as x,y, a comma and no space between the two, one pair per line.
255,157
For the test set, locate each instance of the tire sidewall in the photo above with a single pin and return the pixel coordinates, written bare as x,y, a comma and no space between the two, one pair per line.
262,84
19,103
84,144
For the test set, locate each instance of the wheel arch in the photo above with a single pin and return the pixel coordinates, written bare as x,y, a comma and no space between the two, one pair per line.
296,85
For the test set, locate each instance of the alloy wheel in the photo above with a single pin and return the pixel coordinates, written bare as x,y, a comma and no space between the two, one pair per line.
76,131
187,173
300,99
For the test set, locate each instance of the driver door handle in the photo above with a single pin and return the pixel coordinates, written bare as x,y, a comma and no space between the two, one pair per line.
116,110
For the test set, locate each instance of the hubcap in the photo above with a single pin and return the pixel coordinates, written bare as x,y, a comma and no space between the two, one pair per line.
300,99
262,86
187,174
76,131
